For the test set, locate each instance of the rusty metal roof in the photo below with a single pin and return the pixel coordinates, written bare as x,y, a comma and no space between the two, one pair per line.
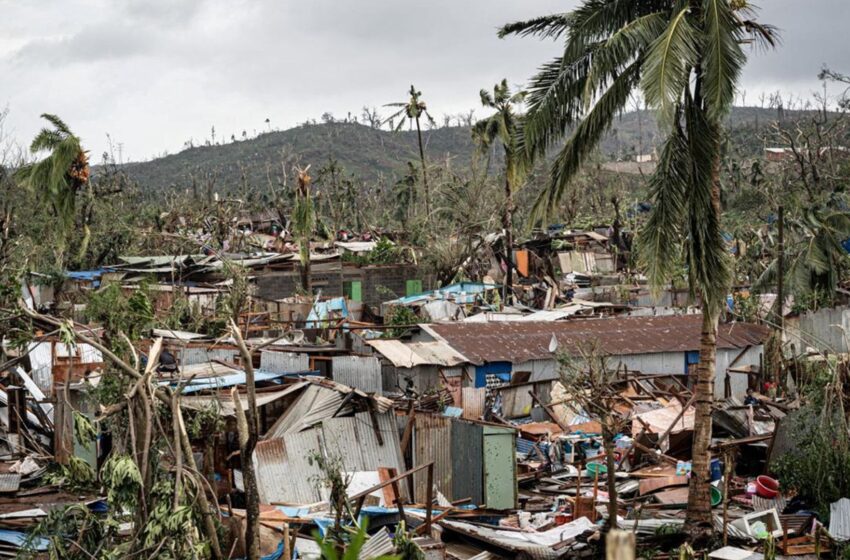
519,342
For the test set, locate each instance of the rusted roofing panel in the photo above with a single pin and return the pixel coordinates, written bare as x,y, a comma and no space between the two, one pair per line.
619,336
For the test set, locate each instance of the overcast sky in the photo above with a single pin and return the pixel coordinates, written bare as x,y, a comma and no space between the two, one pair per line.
154,73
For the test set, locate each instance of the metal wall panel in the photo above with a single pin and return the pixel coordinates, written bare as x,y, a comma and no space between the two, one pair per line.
500,482
362,373
190,356
467,462
284,362
474,401
431,438
41,360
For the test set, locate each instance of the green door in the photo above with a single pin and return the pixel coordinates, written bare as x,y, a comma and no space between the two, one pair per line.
353,290
500,485
413,288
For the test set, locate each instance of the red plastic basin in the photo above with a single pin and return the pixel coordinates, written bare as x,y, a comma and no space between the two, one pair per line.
767,487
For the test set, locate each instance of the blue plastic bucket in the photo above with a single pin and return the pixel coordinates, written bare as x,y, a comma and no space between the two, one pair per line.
716,470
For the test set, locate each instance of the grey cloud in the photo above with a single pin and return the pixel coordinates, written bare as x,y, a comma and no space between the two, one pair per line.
154,72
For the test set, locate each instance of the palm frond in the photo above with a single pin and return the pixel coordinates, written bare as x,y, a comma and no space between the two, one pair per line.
586,138
660,239
548,27
668,64
57,123
621,48
723,57
709,269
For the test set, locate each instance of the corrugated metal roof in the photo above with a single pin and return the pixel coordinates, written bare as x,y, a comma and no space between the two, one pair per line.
408,355
225,404
619,336
360,372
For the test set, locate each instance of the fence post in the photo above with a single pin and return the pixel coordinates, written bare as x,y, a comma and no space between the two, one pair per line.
620,545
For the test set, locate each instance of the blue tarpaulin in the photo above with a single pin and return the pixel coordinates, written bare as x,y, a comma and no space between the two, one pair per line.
92,276
234,379
19,539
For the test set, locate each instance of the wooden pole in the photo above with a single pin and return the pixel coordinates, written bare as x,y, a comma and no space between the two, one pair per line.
620,545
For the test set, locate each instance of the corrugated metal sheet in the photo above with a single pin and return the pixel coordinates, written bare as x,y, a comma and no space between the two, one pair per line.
467,460
284,472
352,439
431,435
379,545
199,355
284,469
474,401
362,373
518,342
839,519
225,404
9,482
41,360
316,404
411,354
284,362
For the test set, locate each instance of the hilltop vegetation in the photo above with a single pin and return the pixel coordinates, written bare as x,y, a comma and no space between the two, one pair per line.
379,155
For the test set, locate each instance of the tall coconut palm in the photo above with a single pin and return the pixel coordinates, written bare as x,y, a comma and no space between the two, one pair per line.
685,57
60,175
414,109
502,127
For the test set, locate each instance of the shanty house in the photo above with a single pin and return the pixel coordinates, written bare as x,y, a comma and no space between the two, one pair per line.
651,345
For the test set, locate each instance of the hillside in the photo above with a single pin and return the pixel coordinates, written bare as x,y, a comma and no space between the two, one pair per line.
372,154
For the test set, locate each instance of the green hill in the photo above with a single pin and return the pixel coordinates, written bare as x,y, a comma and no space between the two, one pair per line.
380,154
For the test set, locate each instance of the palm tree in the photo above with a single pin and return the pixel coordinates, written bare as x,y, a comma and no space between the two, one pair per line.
502,126
414,109
685,56
62,173
814,255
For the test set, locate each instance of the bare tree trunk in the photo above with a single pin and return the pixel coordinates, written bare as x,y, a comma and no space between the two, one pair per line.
424,172
698,517
248,435
507,224
611,465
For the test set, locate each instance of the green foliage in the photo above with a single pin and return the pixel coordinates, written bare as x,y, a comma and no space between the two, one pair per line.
117,313
76,476
401,316
122,480
385,252
817,467
62,173
351,549
74,533
84,431
205,422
